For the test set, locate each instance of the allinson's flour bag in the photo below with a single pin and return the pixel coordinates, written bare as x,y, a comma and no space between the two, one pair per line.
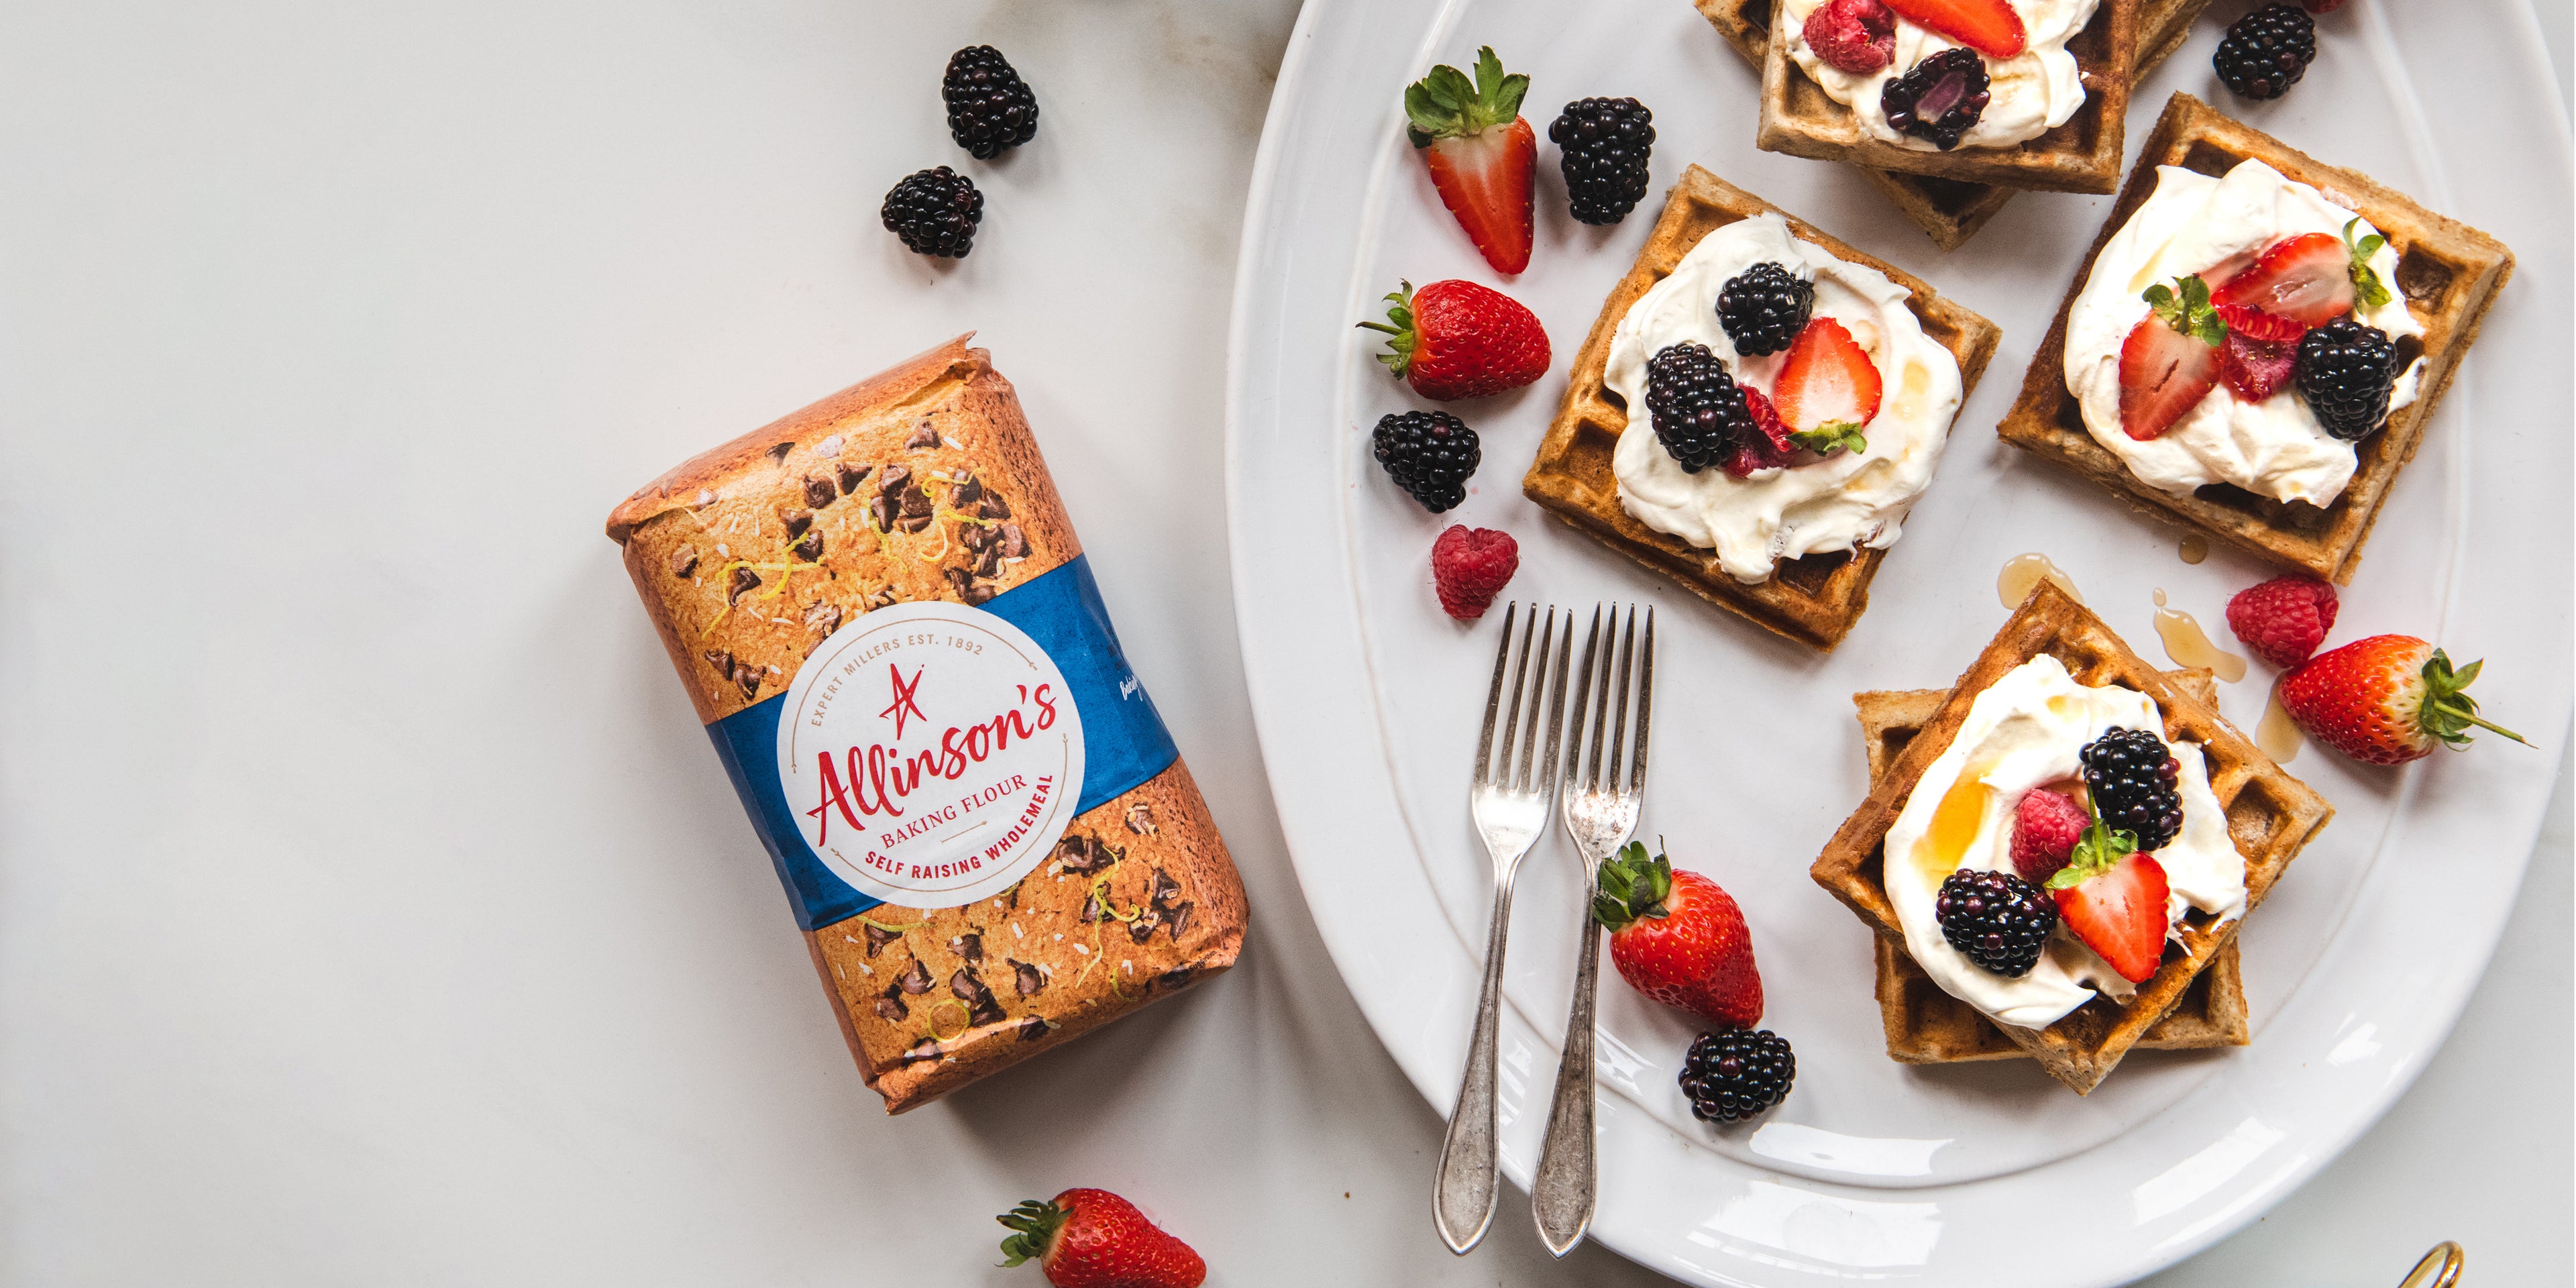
894,641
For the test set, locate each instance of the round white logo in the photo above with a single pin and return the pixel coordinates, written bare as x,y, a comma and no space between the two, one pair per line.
931,753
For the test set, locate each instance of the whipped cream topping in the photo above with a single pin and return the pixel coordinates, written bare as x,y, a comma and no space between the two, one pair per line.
2024,732
2215,228
1843,501
2033,91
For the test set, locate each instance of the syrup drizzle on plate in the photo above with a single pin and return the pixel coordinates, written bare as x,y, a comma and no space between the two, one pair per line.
2188,645
2023,573
2277,736
2195,548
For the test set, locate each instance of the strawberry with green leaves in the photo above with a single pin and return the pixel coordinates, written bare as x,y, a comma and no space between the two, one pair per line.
1827,390
2310,279
2114,899
2385,700
1095,1239
1678,938
1455,339
2170,360
1481,153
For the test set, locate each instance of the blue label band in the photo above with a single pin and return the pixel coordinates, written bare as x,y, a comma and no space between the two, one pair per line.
1124,736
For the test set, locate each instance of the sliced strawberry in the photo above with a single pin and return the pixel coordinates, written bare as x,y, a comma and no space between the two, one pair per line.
1771,450
2119,912
2163,375
1828,389
2307,279
2261,351
1480,152
1990,27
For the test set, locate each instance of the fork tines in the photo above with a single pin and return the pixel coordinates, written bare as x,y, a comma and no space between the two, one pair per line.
1610,723
1494,768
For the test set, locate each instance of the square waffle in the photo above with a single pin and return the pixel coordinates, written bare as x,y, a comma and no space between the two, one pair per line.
1814,600
1928,1026
1950,210
2083,155
2270,815
2448,272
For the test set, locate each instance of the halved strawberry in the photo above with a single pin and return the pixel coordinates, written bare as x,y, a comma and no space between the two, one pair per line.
2307,279
2170,360
1990,27
1770,448
1481,153
2118,911
1828,390
2261,351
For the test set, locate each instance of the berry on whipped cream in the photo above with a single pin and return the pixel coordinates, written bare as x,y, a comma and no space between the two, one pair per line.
2026,733
2034,84
1852,482
2251,239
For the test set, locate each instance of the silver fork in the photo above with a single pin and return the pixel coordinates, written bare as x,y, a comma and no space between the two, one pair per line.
1510,807
1600,815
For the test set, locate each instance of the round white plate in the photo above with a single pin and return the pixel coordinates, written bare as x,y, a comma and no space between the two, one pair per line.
1368,697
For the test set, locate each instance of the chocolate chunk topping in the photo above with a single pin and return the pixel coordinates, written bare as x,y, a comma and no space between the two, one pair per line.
974,536
1148,920
1032,1028
851,476
823,618
746,677
721,661
1031,980
1140,819
684,561
890,1005
818,491
970,947
995,507
881,514
969,491
1090,910
741,582
893,480
1181,919
915,979
883,596
1174,978
779,452
982,1008
795,521
1086,856
920,1052
1014,543
808,547
1165,889
878,939
923,435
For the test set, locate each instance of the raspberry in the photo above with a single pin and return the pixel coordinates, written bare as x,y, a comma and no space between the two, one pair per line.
2261,351
2284,619
2045,829
1768,448
1471,566
1856,36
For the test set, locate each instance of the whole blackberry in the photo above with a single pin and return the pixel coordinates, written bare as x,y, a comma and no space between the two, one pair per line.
1940,98
1734,1074
1999,920
2131,775
1698,411
1764,308
1602,144
2267,51
1429,454
2345,370
989,107
935,212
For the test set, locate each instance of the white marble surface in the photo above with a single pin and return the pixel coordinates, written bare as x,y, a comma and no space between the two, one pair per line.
371,911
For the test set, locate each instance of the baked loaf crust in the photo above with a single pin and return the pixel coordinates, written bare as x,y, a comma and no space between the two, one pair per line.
924,482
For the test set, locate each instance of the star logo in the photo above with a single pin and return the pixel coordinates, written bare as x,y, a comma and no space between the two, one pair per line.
905,704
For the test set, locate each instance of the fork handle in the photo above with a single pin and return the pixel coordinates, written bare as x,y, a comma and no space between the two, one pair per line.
1463,1197
1561,1194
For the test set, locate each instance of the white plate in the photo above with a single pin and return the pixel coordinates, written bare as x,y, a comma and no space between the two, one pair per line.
1367,697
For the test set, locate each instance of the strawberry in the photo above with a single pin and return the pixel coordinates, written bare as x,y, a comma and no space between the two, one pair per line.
1991,27
2046,826
1772,450
1095,1239
1456,339
2260,353
1855,36
1481,153
2170,360
2386,700
1677,938
1827,390
2311,279
2283,620
1469,566
2114,898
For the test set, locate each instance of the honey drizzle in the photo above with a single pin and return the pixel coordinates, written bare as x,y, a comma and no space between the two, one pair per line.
2195,548
2188,645
2023,573
2278,736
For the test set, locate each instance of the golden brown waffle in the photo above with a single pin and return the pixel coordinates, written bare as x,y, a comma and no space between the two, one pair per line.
2083,155
1814,600
2270,815
2449,273
1950,210
1928,1026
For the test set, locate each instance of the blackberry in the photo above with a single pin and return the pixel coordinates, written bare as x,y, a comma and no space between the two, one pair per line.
1698,411
2345,370
1602,144
2131,775
1764,308
1429,454
935,212
2267,51
1999,920
1940,98
990,108
1734,1074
